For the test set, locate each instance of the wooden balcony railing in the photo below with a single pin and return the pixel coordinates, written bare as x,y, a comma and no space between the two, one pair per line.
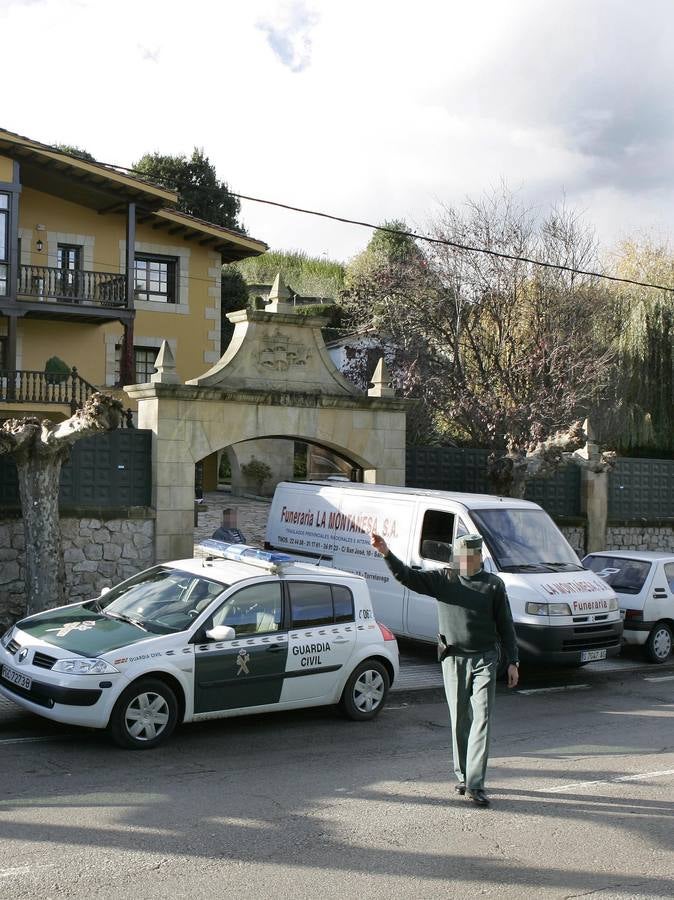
72,286
28,386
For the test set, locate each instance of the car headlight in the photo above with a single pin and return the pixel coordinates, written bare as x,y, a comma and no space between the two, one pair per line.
548,609
84,667
613,604
7,636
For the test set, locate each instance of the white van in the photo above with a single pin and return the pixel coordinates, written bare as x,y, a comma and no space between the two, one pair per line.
562,612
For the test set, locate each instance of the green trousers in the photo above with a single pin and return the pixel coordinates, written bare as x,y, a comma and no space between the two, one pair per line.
470,686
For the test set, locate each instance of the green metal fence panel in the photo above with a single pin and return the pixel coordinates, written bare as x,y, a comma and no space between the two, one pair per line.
447,469
641,489
109,470
465,470
9,482
558,494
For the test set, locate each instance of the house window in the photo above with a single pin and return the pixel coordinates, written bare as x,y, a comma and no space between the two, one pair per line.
4,243
68,260
68,257
156,278
144,358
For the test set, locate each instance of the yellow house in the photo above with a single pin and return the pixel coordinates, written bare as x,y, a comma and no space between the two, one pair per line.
98,268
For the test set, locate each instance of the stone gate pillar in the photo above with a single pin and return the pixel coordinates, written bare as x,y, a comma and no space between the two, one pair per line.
275,380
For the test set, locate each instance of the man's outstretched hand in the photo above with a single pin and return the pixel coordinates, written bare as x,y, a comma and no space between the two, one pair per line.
379,544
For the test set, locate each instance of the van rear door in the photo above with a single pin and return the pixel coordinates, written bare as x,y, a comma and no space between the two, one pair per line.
436,529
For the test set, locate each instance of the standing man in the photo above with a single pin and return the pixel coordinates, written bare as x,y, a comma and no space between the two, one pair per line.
474,614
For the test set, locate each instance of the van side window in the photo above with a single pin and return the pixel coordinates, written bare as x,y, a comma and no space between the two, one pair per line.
437,535
461,529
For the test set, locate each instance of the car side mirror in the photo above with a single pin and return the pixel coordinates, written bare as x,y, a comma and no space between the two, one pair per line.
104,591
221,633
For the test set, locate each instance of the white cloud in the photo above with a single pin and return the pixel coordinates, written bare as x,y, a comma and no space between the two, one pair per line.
288,34
371,110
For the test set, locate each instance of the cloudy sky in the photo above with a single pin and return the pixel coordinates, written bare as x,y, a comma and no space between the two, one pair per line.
370,109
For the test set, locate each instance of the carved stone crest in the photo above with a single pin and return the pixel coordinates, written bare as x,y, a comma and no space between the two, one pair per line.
280,353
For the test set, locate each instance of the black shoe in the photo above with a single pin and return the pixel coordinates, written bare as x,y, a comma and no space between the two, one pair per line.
479,798
460,788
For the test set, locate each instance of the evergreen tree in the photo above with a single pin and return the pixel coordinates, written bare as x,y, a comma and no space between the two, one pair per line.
201,192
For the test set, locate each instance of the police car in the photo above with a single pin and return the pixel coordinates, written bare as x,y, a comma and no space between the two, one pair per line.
240,630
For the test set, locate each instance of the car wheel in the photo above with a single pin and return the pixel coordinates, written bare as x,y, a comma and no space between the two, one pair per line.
145,715
365,692
658,647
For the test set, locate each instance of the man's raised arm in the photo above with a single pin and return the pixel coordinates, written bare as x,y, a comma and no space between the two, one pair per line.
420,582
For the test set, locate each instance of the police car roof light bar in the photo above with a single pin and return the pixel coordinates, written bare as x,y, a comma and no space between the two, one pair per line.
265,559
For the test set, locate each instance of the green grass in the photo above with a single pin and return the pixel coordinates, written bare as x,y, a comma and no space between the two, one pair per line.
309,276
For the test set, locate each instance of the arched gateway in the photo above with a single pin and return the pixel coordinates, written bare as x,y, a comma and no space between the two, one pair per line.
275,379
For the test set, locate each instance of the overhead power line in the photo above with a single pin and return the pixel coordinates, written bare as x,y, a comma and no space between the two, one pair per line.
457,245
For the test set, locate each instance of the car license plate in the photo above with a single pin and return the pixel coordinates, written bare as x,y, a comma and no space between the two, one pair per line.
590,655
17,678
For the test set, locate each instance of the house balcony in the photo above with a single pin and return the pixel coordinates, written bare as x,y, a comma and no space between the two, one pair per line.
24,388
49,292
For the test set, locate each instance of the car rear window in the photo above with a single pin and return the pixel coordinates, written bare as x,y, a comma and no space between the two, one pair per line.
313,604
627,576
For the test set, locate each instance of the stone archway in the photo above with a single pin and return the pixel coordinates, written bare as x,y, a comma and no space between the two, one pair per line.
276,379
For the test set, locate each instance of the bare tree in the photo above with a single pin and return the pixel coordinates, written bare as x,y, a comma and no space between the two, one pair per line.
39,449
510,471
505,354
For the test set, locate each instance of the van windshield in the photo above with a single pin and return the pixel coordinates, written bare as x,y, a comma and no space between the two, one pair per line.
525,540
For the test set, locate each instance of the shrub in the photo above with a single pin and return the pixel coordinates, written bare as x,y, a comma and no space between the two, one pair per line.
256,471
56,370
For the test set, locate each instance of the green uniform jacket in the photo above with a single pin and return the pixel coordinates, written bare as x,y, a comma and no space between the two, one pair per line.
473,612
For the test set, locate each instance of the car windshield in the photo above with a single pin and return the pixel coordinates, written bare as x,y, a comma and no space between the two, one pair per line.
162,600
625,575
525,540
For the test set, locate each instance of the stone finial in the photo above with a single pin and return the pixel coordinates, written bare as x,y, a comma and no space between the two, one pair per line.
381,381
165,365
590,451
278,297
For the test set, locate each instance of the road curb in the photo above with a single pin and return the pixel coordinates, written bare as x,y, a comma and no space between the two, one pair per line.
436,693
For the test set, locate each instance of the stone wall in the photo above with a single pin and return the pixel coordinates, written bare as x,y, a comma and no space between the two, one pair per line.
641,537
98,552
575,535
625,537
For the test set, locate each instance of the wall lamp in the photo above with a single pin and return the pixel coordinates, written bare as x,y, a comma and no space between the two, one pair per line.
39,246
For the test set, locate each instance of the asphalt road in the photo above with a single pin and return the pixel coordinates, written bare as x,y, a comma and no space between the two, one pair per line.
308,805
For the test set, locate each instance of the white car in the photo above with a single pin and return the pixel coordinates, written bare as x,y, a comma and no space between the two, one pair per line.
236,632
644,584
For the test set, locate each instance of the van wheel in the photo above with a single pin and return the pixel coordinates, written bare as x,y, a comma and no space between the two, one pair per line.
658,647
365,692
145,715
